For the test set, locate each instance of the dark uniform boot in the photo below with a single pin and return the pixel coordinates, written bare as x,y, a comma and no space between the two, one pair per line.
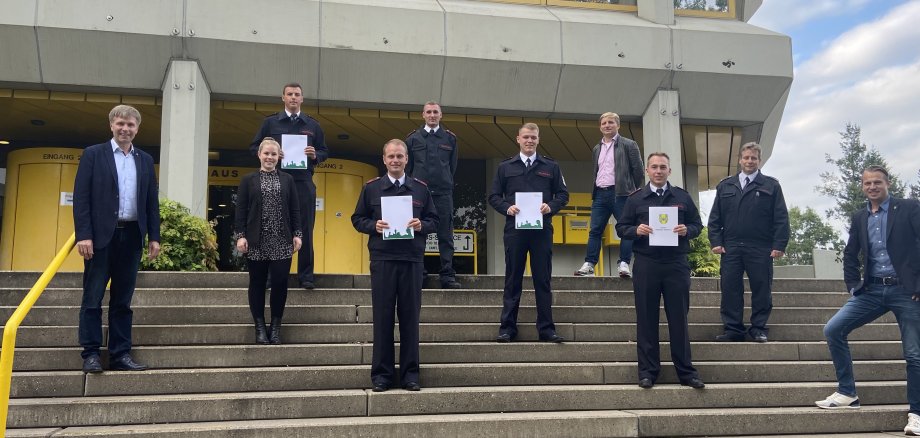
261,333
275,335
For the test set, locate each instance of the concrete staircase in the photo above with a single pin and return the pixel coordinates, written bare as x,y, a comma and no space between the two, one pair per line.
209,380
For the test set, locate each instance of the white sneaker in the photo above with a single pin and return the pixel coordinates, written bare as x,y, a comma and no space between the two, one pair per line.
839,401
913,424
586,270
623,268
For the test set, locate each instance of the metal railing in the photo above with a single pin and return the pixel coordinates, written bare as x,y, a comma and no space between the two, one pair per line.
12,326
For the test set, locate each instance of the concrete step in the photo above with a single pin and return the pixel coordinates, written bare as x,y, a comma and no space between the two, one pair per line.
22,279
430,297
115,410
65,336
288,378
63,359
228,314
587,424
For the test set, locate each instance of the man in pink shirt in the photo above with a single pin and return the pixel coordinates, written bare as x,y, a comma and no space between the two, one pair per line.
617,173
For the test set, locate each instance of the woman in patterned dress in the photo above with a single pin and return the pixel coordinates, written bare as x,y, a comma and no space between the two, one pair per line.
268,231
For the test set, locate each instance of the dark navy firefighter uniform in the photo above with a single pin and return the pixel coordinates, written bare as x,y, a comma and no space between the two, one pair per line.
275,126
433,159
661,271
511,177
749,224
396,277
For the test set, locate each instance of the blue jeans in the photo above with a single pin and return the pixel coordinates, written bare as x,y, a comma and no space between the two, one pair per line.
864,308
605,203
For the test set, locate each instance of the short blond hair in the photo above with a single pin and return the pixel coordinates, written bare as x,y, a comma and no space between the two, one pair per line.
752,146
397,142
125,112
609,115
530,126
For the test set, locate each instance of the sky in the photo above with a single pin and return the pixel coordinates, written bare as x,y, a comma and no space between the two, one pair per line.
855,61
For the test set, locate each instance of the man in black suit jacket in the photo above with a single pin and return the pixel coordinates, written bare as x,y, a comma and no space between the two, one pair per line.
886,235
115,206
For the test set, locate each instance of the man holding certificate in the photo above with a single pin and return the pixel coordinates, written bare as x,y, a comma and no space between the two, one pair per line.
303,147
661,219
398,213
528,189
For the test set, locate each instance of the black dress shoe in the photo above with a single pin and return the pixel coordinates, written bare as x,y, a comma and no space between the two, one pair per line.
556,339
730,337
759,337
261,332
92,365
412,386
451,284
307,284
126,363
694,383
646,383
380,387
503,338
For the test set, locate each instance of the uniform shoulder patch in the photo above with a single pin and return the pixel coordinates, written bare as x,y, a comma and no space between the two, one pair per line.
770,177
451,133
420,182
548,157
513,157
726,179
372,180
635,191
679,188
410,133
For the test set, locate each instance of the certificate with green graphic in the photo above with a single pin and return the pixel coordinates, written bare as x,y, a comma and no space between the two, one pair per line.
662,220
397,212
529,216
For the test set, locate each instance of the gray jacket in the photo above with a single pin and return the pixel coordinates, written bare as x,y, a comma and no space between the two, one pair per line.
627,166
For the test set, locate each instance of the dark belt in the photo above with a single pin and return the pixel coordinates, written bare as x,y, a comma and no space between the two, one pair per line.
886,281
605,188
122,224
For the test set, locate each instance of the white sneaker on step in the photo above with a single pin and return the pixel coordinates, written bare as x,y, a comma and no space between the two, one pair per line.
623,268
586,270
839,401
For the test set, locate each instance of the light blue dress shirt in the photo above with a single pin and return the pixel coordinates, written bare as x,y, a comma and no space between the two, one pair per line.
126,170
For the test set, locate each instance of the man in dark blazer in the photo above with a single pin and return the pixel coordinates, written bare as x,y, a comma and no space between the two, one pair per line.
528,171
886,236
396,267
115,206
292,120
661,271
617,173
749,227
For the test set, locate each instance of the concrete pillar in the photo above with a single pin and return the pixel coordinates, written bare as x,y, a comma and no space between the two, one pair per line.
661,132
657,11
495,227
184,136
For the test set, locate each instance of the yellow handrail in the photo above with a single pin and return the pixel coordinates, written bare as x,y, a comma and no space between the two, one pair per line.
9,331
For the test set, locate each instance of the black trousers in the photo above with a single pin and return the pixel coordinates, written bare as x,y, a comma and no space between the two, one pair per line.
119,262
444,204
306,194
653,279
396,290
759,267
539,244
258,273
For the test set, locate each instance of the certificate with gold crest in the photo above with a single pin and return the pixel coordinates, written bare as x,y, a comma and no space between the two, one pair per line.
662,220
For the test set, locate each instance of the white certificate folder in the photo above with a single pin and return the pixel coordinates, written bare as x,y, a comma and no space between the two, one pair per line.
397,212
662,220
529,216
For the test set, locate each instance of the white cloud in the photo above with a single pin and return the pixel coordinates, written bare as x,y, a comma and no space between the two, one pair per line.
867,76
783,15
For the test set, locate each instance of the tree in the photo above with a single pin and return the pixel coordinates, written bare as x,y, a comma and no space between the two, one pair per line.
845,185
703,263
915,188
807,231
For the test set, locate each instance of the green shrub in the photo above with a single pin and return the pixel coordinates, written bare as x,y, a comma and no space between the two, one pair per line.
703,263
187,243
